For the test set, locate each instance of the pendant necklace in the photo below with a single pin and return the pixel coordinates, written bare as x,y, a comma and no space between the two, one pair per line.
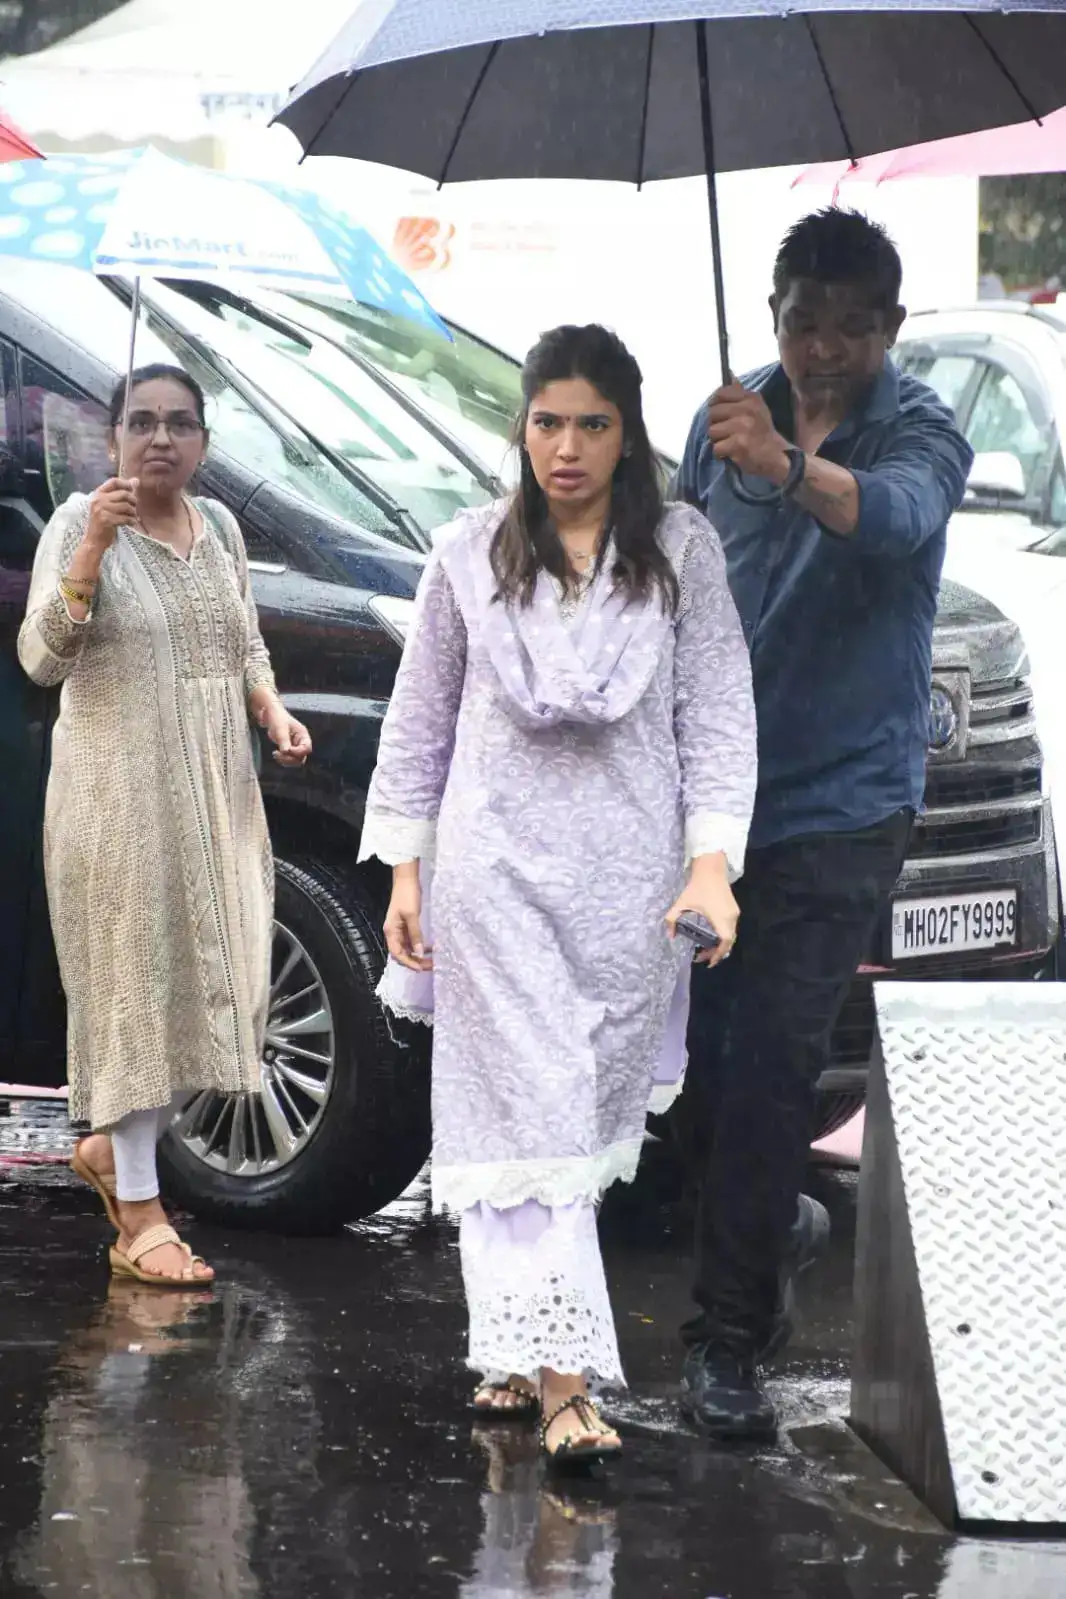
192,532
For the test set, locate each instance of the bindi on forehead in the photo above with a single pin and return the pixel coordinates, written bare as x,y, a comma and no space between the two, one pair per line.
138,409
162,396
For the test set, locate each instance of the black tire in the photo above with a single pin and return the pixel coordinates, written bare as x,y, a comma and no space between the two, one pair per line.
835,1111
374,1134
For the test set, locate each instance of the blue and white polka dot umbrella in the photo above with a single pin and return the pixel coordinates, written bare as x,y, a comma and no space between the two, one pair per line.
142,214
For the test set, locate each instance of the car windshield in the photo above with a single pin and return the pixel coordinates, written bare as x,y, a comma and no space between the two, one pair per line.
469,388
258,436
338,402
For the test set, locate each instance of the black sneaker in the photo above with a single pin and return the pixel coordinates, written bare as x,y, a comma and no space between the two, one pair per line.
723,1395
810,1239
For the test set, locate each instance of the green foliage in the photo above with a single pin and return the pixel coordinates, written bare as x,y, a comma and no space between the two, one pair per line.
1023,229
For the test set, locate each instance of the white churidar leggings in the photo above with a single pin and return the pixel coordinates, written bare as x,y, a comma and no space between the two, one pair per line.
134,1140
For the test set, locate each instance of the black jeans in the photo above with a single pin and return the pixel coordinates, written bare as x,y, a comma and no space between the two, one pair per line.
759,1036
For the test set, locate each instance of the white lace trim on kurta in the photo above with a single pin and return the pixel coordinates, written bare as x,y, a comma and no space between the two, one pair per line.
663,1095
506,1183
390,1000
395,840
538,1298
713,833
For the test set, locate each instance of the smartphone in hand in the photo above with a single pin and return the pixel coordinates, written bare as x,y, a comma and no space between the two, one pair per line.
698,930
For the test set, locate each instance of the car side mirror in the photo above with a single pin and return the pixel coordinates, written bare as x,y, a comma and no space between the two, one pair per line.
995,477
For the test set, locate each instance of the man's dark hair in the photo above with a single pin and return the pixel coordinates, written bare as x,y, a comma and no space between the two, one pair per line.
838,246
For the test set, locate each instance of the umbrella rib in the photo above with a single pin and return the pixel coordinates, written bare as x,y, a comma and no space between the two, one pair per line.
461,128
348,80
644,114
834,102
1007,73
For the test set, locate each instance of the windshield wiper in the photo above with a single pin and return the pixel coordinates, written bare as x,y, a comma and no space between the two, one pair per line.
253,396
302,337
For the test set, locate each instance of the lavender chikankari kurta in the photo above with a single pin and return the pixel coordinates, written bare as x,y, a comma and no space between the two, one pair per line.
552,772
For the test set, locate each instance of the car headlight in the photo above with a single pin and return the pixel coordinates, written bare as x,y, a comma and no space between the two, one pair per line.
393,614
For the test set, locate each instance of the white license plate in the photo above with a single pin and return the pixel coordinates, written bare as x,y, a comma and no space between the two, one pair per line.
951,924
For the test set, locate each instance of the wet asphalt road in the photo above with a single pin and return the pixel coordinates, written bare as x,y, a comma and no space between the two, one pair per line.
300,1432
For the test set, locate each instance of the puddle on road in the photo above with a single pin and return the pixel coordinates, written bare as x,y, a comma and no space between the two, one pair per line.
33,1130
303,1429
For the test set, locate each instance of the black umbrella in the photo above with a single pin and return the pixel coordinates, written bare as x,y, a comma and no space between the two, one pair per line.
634,90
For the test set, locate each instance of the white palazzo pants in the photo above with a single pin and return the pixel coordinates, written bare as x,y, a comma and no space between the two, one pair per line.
536,1292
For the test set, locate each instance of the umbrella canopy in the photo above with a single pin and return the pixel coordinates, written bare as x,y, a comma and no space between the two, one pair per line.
996,152
611,89
141,213
638,89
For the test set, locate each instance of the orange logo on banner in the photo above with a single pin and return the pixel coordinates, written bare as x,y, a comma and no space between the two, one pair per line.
421,244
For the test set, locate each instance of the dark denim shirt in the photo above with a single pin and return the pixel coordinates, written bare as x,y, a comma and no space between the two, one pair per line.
840,629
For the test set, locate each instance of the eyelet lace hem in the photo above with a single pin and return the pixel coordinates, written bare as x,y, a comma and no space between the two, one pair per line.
539,1304
507,1183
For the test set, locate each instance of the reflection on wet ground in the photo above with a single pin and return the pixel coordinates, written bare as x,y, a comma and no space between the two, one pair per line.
302,1430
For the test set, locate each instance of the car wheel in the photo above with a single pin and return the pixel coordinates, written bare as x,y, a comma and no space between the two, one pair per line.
343,1124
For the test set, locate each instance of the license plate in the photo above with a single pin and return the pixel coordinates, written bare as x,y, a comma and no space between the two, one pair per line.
952,924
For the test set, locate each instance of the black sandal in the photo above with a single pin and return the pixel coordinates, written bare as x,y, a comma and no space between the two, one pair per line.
526,1408
567,1454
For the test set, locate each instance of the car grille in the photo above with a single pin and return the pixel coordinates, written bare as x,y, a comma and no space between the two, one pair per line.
991,801
977,787
945,833
1001,707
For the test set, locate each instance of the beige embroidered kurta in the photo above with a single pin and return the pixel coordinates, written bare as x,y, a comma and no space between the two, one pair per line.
157,857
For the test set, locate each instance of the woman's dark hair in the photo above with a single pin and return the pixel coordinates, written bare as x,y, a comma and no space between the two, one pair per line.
151,374
526,541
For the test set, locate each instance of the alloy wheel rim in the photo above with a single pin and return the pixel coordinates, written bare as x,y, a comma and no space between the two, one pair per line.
250,1135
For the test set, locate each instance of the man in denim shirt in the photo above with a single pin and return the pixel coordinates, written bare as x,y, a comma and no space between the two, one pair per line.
836,584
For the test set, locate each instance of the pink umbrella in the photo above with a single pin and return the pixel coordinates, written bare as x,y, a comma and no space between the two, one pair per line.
14,145
996,152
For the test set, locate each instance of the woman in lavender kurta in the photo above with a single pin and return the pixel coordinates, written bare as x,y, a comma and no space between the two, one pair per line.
572,722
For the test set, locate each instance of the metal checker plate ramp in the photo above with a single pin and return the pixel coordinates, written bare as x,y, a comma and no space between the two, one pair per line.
977,1081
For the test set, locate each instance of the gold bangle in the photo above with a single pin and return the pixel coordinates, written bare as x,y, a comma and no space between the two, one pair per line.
76,595
79,582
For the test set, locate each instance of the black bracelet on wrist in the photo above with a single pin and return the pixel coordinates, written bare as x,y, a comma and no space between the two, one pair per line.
797,471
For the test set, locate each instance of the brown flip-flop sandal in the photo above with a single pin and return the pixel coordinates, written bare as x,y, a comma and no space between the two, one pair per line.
152,1237
103,1182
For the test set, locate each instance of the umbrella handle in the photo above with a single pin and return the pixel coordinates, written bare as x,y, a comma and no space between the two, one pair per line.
135,311
732,472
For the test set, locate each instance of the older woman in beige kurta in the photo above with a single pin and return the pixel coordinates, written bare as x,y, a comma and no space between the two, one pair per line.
157,857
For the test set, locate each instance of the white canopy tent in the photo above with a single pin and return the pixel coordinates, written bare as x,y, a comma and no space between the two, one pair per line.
182,73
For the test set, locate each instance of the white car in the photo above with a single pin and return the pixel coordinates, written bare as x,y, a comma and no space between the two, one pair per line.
1002,367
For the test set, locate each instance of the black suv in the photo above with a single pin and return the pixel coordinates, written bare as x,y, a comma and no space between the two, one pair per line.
336,478
340,437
